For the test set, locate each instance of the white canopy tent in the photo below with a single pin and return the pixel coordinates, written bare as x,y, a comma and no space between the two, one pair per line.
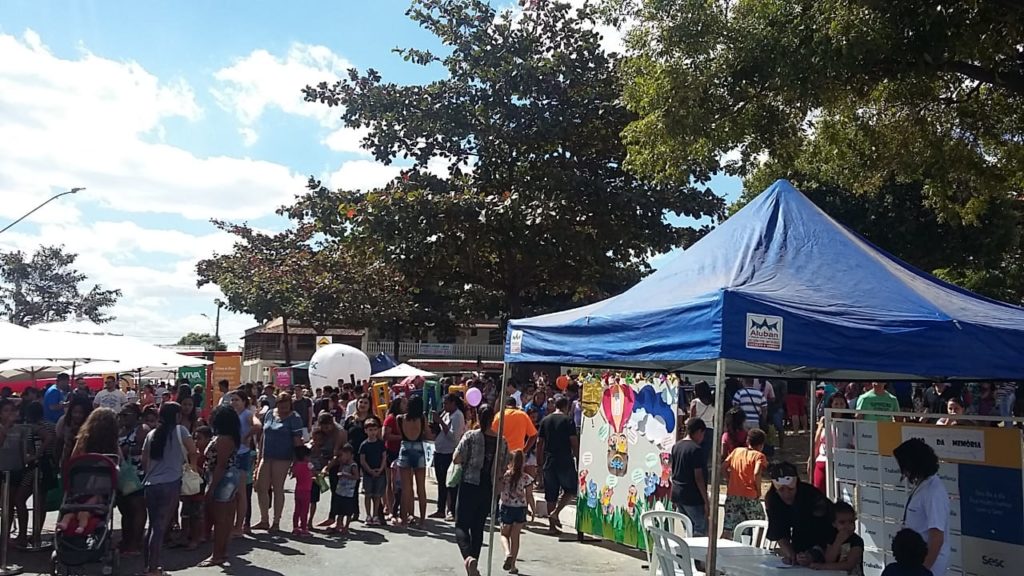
76,326
22,343
403,371
32,368
114,367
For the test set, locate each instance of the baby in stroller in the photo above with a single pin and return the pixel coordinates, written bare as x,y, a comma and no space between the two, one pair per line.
85,520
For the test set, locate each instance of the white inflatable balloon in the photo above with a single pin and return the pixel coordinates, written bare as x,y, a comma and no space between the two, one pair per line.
337,362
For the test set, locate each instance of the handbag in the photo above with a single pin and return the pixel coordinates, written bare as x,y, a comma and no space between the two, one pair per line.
191,481
454,476
128,481
321,482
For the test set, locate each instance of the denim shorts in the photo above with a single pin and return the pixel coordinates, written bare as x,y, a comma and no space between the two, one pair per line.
244,461
375,485
513,514
412,455
226,489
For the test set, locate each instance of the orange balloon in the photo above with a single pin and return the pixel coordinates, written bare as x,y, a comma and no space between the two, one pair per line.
562,382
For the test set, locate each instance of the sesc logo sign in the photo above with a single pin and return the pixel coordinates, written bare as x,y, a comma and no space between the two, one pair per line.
764,332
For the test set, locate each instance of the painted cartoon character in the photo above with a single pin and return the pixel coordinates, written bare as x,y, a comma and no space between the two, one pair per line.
666,470
618,458
650,484
592,494
606,500
631,500
583,480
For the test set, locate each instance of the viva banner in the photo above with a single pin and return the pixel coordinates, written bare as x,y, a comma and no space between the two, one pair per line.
981,468
628,428
194,375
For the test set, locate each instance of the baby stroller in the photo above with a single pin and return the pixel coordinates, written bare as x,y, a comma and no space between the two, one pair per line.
84,530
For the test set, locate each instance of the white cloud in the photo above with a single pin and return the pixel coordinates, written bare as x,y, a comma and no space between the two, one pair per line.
362,175
96,122
261,81
612,38
101,123
347,140
154,268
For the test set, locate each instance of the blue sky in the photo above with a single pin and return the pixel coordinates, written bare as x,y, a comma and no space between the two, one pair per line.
171,113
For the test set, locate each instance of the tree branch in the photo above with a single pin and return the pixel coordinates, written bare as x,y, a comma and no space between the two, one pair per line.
1012,81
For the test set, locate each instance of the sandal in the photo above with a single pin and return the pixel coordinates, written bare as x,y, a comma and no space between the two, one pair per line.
210,562
260,526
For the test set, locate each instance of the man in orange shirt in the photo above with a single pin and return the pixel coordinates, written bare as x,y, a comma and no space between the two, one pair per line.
519,432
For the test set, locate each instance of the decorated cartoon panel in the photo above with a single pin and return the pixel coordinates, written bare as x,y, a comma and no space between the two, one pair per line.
629,426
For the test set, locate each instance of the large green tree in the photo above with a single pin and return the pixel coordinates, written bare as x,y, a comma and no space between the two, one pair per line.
533,208
860,99
46,287
206,340
294,275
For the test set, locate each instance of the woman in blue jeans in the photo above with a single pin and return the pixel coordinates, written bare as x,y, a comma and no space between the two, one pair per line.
165,449
222,480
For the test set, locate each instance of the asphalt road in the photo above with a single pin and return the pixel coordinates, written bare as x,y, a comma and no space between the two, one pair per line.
382,551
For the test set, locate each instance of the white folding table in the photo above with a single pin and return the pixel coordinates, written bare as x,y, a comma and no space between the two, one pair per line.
738,559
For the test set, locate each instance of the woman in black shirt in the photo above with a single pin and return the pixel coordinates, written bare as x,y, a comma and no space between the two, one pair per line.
800,517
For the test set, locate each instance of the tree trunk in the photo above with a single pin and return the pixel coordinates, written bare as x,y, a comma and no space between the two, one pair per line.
397,333
286,343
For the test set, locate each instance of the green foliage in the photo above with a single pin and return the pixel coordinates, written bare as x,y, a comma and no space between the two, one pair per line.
207,341
321,284
45,287
894,110
536,209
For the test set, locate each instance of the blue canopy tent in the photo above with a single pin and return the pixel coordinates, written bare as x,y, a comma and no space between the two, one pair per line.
782,289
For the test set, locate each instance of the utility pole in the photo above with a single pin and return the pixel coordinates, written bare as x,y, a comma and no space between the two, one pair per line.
216,325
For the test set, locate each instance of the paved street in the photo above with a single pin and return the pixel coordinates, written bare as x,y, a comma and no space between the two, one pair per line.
385,551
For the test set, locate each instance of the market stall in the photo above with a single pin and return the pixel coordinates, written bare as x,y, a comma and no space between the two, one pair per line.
781,289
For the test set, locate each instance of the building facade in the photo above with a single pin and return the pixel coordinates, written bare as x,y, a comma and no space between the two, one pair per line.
265,347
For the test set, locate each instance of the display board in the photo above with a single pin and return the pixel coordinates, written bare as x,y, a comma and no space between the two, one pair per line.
981,469
627,432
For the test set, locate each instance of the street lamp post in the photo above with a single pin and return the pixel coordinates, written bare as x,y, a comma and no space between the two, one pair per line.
216,325
216,328
33,211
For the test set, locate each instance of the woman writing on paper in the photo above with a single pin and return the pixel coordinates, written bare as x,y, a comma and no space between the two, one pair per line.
927,509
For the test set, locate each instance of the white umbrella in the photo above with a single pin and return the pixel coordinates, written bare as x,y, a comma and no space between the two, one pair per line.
144,364
78,325
403,371
18,342
32,368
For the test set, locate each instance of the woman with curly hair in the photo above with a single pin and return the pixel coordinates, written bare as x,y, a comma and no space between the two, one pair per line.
98,435
70,423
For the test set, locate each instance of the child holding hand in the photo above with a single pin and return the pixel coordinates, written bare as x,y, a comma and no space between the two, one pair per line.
743,467
302,471
348,479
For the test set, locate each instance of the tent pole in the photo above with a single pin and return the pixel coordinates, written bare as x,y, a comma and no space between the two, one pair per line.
716,467
497,463
812,420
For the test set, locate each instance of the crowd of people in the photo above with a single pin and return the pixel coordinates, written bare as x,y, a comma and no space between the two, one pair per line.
190,465
810,529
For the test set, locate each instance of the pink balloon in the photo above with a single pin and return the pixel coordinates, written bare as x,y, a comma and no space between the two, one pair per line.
474,396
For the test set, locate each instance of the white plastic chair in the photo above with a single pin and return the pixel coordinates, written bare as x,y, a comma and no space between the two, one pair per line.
758,532
671,555
673,522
